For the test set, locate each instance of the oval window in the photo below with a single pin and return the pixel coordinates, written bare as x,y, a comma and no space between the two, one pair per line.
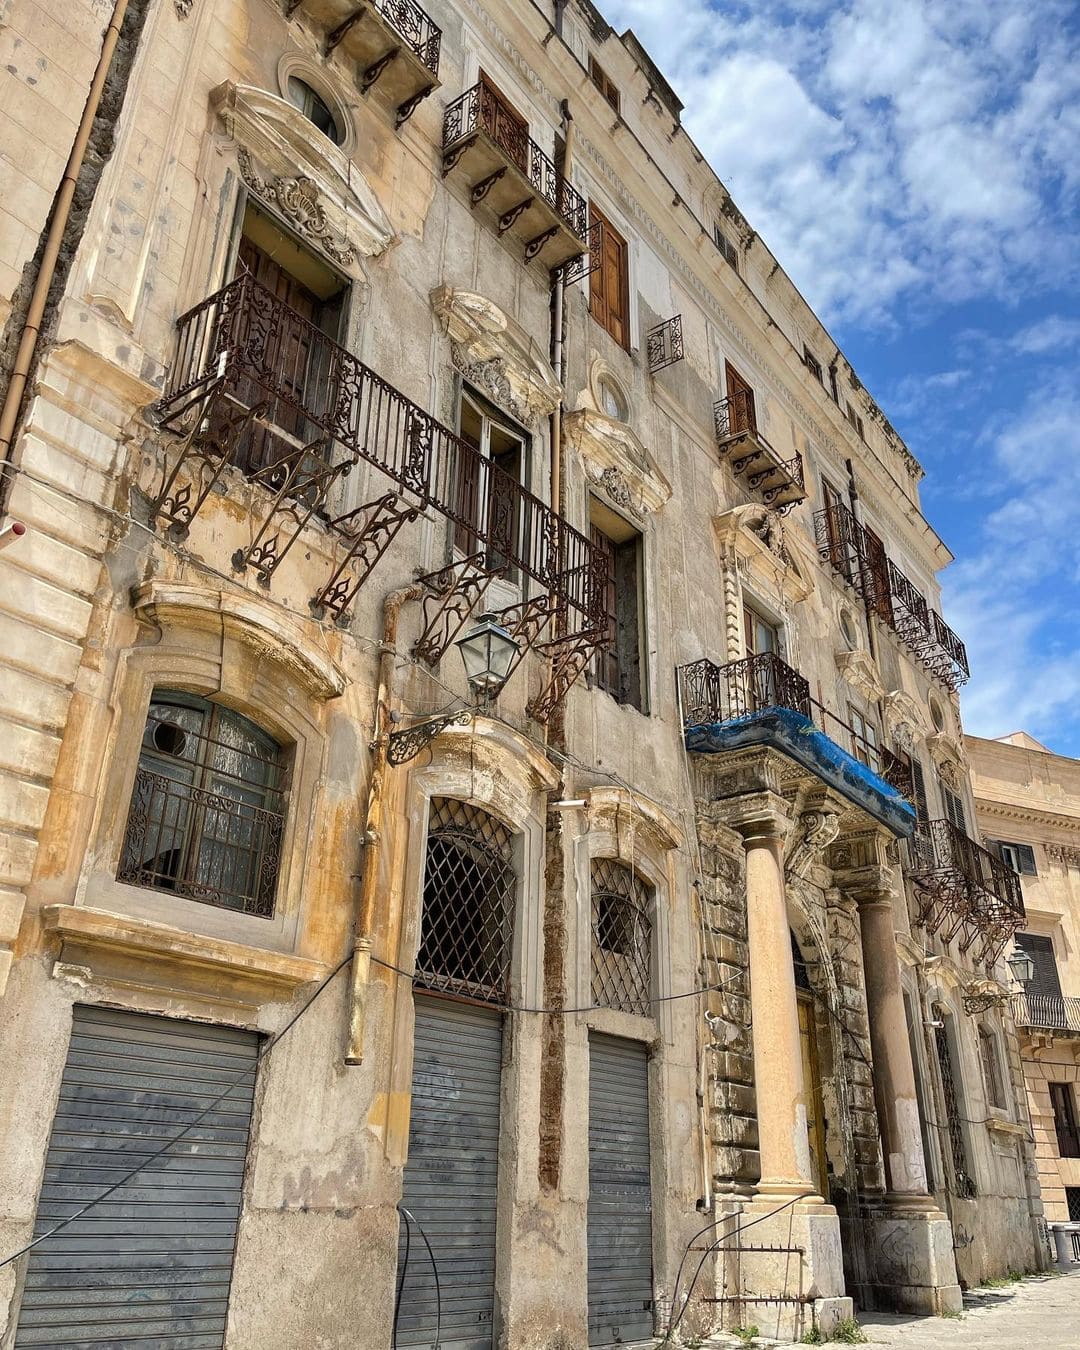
314,108
612,401
937,713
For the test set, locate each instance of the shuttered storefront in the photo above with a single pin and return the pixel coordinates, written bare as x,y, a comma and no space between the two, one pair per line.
620,1194
451,1176
151,1265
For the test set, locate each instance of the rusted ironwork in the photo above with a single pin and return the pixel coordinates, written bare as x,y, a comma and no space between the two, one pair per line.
238,393
664,344
716,694
476,113
470,885
418,29
455,591
621,938
781,482
850,551
577,269
1047,1012
206,818
403,746
964,892
570,656
962,1178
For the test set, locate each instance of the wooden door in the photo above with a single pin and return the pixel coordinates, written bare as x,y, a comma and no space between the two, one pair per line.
503,123
879,594
609,286
815,1105
741,414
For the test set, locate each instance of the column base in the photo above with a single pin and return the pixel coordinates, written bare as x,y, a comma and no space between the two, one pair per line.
794,1256
911,1263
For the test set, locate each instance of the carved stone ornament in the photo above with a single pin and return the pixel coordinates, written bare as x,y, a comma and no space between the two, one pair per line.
1064,853
303,175
615,460
495,353
816,831
298,201
948,756
755,536
860,672
183,8
904,722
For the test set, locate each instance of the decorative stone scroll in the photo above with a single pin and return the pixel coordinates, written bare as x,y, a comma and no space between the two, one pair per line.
298,201
816,831
616,461
861,673
904,720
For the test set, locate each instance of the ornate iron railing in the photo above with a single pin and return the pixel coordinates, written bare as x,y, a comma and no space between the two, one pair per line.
307,400
1046,1012
717,694
844,544
417,28
479,110
735,422
965,892
664,344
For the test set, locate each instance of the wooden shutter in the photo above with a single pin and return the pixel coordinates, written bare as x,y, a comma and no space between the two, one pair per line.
741,412
609,289
1045,980
918,779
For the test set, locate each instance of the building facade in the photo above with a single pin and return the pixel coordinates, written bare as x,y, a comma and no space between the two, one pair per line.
1028,804
344,1003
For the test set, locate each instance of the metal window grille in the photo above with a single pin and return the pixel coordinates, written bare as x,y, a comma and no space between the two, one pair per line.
965,1185
470,885
207,813
622,938
1072,1199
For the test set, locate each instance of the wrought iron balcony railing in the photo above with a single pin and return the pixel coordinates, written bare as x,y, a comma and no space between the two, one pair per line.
256,385
515,165
780,481
964,891
416,27
718,694
856,556
1047,1012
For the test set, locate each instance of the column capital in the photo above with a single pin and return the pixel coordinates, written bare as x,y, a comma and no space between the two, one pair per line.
759,816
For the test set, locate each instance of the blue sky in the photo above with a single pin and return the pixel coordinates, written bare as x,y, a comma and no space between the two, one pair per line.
915,166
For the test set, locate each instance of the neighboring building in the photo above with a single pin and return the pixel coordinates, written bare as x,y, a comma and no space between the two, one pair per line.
1028,804
363,322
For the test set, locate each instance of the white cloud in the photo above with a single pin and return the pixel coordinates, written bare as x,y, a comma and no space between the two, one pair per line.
1053,334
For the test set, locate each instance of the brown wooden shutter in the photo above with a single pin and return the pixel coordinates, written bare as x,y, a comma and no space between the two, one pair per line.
609,292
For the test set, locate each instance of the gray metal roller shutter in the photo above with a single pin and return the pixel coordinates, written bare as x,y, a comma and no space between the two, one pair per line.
620,1194
151,1265
451,1176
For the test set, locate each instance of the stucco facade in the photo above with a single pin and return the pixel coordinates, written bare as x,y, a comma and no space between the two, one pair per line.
305,339
1027,796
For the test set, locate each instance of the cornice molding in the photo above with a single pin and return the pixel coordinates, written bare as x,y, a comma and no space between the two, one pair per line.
1014,811
616,461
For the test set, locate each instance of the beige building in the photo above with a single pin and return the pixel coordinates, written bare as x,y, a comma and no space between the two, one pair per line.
350,1001
1028,804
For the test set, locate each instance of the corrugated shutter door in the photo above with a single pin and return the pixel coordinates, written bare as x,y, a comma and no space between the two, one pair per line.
451,1177
152,1264
620,1194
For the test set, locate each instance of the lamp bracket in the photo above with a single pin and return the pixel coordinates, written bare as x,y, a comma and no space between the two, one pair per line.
456,590
403,746
569,657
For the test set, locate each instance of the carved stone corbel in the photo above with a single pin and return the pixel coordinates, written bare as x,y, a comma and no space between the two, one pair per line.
859,670
616,461
816,831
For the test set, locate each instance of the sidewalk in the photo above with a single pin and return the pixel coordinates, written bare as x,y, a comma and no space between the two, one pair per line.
1041,1312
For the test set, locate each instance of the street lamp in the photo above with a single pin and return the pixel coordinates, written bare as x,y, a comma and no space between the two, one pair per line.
1021,966
489,652
1022,971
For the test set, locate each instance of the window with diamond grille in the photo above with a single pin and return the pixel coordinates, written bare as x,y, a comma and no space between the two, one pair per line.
621,938
470,884
207,813
965,1186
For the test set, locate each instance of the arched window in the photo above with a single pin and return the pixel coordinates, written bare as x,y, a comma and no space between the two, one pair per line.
470,883
621,938
988,1057
314,107
207,814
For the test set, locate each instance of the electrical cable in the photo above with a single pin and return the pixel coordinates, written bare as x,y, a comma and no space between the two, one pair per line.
411,1219
401,1278
145,1163
592,1007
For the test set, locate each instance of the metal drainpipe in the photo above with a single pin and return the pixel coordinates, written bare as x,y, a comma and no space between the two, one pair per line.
9,413
558,319
369,877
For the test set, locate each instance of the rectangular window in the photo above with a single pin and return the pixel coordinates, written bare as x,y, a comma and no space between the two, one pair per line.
618,667
761,637
918,780
742,415
867,739
995,1092
1041,950
487,487
963,1180
726,247
813,365
954,807
1020,857
1068,1136
1072,1199
609,286
503,123
603,82
856,421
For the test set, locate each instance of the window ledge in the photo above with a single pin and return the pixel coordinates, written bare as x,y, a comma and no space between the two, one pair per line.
119,948
1001,1125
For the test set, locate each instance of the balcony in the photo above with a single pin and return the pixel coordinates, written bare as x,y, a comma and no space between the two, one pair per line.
393,43
257,388
508,170
1047,1012
761,700
859,559
964,891
780,482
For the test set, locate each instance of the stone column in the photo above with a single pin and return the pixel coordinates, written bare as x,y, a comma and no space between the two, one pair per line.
778,1074
894,1072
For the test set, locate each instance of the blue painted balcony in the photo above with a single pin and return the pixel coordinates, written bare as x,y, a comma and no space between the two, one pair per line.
762,701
